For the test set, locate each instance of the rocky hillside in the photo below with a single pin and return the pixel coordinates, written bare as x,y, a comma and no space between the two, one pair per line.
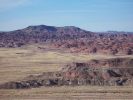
106,72
70,37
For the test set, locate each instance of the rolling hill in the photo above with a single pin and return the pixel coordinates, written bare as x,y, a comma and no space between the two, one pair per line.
70,37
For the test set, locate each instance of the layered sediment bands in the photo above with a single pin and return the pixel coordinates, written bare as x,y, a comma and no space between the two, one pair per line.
110,72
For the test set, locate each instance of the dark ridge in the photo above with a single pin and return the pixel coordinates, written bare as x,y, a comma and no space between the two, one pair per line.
41,28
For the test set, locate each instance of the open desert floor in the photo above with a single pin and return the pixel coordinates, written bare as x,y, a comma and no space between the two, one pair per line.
17,63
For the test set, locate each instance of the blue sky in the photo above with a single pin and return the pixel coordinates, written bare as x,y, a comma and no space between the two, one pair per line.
92,15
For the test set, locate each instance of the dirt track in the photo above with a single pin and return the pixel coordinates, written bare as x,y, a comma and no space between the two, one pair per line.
75,96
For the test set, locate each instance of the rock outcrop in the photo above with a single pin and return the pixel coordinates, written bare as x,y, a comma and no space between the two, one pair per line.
107,72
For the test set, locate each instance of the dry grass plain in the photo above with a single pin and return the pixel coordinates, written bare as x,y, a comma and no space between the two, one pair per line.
69,93
17,63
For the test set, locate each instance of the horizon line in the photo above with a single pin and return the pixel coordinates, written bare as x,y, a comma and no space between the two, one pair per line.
65,26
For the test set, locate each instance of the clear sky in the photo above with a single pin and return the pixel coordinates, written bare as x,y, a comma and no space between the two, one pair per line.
92,15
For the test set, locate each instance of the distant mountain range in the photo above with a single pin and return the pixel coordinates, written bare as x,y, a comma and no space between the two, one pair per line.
73,38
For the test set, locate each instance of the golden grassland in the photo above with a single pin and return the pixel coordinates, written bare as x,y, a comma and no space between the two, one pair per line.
69,93
17,63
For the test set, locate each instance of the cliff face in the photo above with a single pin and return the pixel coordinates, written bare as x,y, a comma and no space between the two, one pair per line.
70,37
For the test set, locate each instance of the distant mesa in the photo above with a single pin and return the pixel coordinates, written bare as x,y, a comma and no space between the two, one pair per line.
72,38
41,28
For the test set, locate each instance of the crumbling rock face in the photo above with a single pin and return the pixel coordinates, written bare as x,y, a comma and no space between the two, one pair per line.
110,72
94,72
